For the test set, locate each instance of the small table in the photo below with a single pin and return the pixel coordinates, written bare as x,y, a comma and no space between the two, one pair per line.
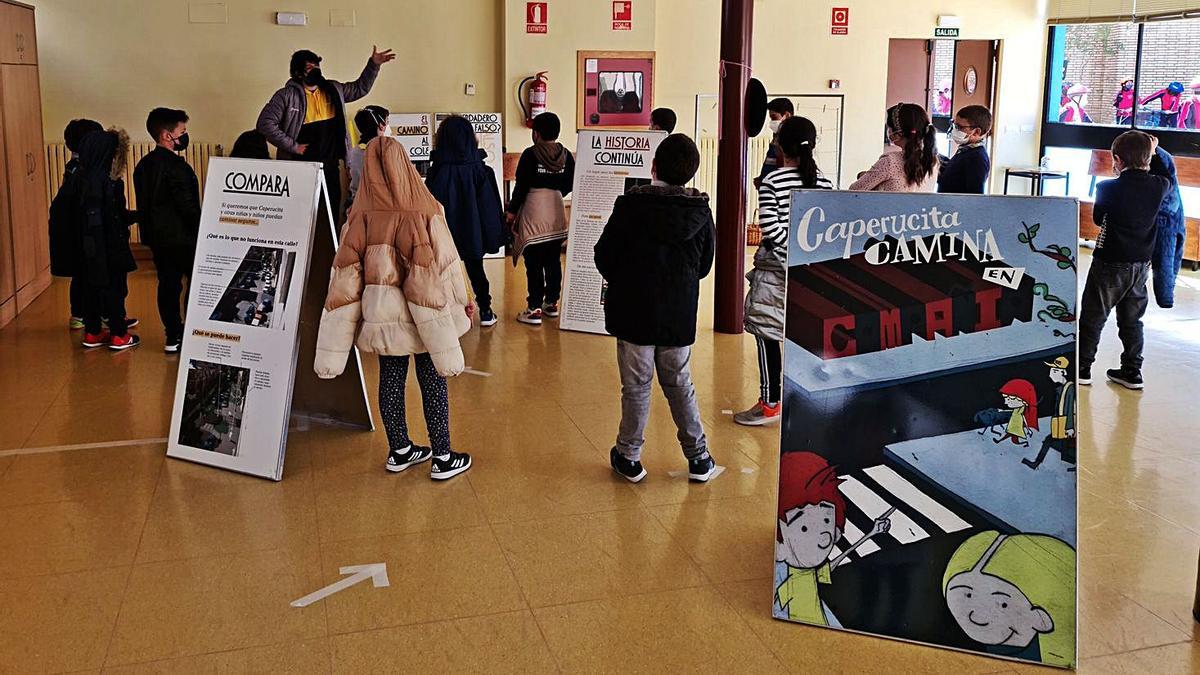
1037,178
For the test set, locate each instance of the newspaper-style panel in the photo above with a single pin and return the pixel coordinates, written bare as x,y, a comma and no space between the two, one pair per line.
607,164
234,388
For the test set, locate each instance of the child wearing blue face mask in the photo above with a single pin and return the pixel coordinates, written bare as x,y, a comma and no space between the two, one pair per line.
967,171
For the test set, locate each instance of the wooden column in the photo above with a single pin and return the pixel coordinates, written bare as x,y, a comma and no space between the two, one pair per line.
737,28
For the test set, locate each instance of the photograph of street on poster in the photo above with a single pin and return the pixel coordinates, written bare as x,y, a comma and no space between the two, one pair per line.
927,468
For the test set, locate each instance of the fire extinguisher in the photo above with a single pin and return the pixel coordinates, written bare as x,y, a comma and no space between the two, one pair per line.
533,101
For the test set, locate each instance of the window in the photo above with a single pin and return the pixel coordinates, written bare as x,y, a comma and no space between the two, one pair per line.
1169,84
1092,68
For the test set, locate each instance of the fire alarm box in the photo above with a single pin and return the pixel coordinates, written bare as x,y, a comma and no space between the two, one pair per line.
616,90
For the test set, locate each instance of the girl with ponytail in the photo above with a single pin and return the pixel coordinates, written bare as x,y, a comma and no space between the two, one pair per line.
910,163
797,170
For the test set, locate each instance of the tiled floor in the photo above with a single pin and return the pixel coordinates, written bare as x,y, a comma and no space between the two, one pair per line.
114,558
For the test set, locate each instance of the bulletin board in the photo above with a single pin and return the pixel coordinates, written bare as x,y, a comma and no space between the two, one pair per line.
615,89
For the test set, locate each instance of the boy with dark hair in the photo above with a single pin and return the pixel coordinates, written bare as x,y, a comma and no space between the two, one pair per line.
65,256
168,197
967,171
655,249
778,111
1125,210
663,119
538,217
371,122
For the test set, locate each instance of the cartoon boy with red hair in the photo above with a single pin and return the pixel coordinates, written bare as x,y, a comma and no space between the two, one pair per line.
812,517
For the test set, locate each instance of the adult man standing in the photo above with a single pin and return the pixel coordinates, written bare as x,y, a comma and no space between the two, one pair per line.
1062,421
306,119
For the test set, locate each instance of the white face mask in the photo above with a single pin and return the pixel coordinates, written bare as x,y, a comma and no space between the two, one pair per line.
958,136
774,125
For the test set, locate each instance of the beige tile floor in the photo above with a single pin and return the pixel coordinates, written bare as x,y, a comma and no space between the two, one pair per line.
115,559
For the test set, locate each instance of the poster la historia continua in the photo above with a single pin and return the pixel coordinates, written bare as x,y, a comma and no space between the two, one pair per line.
927,468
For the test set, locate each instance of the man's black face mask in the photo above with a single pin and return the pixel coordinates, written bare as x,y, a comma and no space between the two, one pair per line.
314,77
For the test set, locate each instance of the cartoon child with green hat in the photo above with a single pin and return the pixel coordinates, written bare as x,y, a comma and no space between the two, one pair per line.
1015,594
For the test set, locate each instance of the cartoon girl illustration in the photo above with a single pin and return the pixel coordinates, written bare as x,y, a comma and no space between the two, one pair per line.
1015,594
1020,397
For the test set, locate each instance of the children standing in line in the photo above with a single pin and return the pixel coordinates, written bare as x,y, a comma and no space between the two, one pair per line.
397,289
797,139
65,254
538,217
778,112
467,188
967,171
655,249
910,163
371,121
1125,210
104,240
168,195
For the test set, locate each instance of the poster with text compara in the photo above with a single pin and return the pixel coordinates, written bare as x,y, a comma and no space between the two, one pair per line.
607,164
927,482
234,388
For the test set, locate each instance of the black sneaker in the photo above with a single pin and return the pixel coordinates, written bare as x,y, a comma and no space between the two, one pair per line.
487,318
1085,376
399,460
173,345
628,469
449,466
1126,377
702,468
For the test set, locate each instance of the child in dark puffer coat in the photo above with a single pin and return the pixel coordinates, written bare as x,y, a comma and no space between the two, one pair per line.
655,249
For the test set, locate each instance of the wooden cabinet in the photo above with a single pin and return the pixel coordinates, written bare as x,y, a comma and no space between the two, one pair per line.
18,39
24,236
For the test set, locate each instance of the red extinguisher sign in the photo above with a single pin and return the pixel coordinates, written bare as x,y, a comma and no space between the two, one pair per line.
535,17
622,14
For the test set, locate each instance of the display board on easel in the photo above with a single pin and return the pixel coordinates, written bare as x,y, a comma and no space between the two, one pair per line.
250,319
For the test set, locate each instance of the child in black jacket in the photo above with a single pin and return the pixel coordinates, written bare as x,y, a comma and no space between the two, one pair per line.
967,171
1125,210
655,249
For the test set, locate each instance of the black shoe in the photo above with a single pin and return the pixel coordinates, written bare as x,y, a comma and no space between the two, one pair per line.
487,318
628,469
1085,376
1031,464
449,466
399,460
1126,377
702,468
173,345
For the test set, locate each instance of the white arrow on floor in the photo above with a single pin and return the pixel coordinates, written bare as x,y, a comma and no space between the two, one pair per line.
376,572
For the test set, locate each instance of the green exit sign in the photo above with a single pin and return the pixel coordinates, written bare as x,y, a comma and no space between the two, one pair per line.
945,32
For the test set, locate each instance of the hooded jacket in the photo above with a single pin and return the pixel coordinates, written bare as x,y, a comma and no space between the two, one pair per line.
104,218
467,189
397,283
655,249
282,116
66,224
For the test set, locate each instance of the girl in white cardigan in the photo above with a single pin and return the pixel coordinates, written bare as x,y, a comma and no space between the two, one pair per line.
910,163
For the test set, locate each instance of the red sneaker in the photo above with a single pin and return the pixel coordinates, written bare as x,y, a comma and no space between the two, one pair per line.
124,342
91,341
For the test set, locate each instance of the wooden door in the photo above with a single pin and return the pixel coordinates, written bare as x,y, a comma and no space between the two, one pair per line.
18,39
8,287
908,72
979,57
25,156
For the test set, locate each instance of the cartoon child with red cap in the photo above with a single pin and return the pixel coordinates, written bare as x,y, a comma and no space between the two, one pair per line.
812,518
1020,397
945,100
1171,98
1074,109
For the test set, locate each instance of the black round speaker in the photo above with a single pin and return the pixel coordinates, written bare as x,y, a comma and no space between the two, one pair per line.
756,107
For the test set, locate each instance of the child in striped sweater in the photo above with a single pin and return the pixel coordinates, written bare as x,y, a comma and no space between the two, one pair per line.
764,304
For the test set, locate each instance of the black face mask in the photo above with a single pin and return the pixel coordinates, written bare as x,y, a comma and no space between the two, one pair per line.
181,143
314,77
